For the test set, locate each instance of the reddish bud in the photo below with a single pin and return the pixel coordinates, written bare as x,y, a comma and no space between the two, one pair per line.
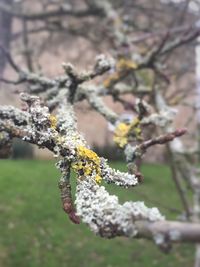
73,217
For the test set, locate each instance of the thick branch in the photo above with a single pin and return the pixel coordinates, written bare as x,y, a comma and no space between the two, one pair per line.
170,231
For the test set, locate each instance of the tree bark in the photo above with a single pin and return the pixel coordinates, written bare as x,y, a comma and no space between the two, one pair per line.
171,230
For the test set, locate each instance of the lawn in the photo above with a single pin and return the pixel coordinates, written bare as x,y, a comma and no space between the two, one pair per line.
35,232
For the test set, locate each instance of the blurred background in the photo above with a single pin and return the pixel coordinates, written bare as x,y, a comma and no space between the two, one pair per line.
40,36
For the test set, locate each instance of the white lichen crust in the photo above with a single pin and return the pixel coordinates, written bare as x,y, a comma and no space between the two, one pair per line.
105,216
110,175
11,113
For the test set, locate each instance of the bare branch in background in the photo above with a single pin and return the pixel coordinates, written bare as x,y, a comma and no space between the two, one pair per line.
144,48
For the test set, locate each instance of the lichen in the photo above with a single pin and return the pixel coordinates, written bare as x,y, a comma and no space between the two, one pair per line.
122,66
123,131
87,163
126,64
105,216
53,121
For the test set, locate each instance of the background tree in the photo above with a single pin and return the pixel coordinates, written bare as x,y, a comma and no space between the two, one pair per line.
143,46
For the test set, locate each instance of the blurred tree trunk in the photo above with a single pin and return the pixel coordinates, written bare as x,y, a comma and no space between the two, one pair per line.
198,94
197,254
5,33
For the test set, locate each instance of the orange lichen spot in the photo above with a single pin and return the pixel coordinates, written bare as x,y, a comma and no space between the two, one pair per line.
111,79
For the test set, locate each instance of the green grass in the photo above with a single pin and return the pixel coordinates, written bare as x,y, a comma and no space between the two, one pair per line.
35,232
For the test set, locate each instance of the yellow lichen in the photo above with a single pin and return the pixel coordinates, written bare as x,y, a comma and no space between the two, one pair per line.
87,164
124,130
111,79
53,121
121,134
125,64
122,66
98,179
